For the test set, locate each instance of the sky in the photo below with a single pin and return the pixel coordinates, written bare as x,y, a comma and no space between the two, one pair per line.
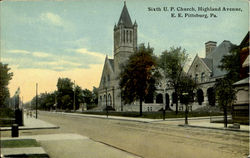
47,39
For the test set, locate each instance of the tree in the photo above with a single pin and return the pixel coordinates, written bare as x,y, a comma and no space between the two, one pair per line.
137,78
231,64
225,92
225,95
65,93
95,95
5,77
79,97
87,95
172,63
187,86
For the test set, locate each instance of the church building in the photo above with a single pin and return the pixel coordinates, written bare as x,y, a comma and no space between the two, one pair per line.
205,71
125,43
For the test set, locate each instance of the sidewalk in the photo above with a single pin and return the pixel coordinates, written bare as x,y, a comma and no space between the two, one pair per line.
31,123
67,145
196,122
52,144
219,126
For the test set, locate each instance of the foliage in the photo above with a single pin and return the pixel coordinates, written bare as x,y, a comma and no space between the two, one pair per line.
172,63
225,92
63,98
65,93
225,95
137,78
95,95
231,63
187,85
87,96
5,77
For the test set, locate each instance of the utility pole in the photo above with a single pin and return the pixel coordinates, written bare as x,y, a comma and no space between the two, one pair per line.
74,101
107,113
36,99
164,90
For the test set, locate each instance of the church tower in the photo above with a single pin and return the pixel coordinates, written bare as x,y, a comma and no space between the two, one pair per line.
125,39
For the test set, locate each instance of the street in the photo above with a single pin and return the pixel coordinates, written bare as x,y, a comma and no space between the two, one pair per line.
149,140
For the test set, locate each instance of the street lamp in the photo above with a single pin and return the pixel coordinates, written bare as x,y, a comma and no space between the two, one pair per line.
36,99
107,113
185,100
74,101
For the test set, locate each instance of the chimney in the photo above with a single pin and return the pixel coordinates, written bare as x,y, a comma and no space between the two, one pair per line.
210,46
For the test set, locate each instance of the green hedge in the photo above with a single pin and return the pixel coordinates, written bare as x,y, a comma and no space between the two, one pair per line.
7,116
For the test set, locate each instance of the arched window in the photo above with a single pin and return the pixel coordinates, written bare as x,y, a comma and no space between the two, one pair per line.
196,78
130,36
211,96
202,76
200,96
127,36
109,100
123,36
104,81
159,98
100,100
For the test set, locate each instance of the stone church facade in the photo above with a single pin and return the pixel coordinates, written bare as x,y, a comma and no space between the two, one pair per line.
125,43
205,71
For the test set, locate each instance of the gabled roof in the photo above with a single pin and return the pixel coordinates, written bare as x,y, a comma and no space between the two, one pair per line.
243,81
125,18
202,61
208,62
216,56
245,41
111,61
108,64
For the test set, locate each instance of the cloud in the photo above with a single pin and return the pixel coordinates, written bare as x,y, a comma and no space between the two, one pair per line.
85,51
51,18
41,54
17,51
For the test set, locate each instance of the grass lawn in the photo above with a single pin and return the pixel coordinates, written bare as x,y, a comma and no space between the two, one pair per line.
20,143
156,115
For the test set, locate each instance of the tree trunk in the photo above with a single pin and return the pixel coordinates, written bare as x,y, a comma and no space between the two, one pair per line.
176,107
186,115
140,106
225,116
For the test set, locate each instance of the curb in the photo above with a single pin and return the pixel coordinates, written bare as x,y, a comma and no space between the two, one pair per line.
121,119
224,129
31,128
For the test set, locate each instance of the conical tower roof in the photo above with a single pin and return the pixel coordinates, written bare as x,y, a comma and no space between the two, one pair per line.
125,18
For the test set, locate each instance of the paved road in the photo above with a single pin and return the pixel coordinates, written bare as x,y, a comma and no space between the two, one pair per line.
152,140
